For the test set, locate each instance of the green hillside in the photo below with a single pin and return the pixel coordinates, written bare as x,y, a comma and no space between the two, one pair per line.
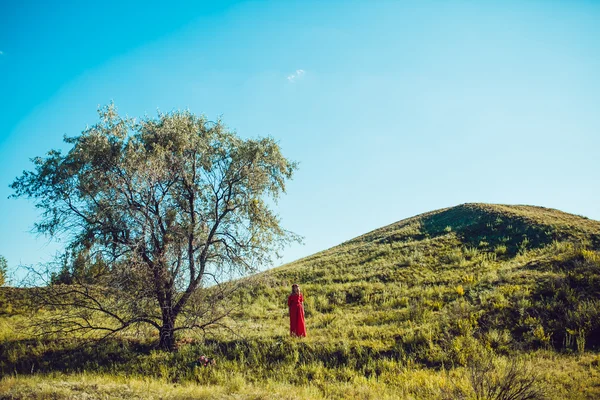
423,308
518,274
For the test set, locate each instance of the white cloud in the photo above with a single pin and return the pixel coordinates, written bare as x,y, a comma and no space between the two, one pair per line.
296,75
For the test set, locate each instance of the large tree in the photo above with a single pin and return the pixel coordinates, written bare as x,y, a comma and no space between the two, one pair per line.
160,210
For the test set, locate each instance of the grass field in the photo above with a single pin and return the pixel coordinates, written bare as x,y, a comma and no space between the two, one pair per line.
455,303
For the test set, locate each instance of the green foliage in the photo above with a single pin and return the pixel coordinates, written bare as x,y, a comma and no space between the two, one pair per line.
155,210
3,270
79,267
492,380
500,249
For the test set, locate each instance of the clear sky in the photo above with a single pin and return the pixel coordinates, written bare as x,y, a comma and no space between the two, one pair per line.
391,108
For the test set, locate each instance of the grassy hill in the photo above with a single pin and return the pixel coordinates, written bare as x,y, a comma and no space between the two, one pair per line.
422,308
516,268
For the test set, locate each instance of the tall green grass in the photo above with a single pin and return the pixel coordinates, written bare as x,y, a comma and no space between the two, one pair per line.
401,312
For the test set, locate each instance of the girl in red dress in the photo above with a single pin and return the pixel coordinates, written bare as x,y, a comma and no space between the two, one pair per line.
297,326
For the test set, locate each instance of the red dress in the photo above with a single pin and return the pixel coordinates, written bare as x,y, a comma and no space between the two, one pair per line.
297,326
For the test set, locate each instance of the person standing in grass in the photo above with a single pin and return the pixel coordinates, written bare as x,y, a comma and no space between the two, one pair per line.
296,307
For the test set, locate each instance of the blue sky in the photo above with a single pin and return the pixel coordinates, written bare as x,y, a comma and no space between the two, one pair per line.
391,108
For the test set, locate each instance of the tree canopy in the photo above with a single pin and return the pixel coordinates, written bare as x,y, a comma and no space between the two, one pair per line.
155,211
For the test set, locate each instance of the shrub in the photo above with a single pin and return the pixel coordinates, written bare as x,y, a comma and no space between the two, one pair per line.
582,321
455,257
463,349
523,245
511,381
498,340
500,249
3,270
471,252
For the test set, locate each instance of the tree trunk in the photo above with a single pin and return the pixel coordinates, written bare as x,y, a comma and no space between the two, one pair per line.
167,333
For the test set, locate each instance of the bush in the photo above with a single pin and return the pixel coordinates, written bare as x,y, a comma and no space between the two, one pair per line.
455,256
3,270
511,381
471,252
500,249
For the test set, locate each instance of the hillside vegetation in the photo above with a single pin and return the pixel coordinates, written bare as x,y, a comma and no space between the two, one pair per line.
454,303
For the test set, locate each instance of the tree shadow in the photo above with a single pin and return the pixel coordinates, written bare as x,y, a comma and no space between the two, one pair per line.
28,356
